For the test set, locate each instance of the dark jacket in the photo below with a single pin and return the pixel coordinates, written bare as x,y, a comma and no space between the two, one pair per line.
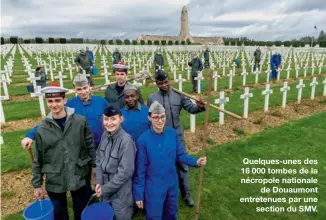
41,82
159,59
206,55
84,60
173,103
116,57
257,55
114,98
196,65
65,157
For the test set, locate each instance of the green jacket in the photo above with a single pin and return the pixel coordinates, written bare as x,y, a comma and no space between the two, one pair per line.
196,65
257,55
159,59
65,157
85,61
116,57
113,97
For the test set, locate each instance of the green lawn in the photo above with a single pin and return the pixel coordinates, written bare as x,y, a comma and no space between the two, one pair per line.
222,189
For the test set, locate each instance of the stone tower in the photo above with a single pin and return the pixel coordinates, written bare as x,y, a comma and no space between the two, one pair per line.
184,32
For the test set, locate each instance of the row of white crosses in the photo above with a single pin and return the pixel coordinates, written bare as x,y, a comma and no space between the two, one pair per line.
267,92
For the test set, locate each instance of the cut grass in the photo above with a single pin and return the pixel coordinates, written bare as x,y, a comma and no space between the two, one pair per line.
222,188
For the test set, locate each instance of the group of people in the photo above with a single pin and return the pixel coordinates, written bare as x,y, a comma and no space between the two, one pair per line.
128,152
275,62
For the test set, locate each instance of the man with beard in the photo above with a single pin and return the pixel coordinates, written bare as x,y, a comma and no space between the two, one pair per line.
173,103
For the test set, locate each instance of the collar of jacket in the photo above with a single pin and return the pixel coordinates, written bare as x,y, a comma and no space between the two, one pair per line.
137,108
158,134
165,93
86,102
114,135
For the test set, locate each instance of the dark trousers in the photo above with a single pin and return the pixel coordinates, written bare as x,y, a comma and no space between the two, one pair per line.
194,84
183,176
80,198
206,64
257,65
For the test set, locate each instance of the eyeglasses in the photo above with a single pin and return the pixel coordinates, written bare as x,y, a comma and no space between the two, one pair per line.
157,118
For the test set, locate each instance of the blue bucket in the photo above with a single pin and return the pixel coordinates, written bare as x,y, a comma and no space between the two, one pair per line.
94,71
98,211
39,210
30,88
201,87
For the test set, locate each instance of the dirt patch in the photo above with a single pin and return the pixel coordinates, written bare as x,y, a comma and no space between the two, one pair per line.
23,124
19,182
234,129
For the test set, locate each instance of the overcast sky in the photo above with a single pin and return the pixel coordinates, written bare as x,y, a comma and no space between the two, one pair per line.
107,19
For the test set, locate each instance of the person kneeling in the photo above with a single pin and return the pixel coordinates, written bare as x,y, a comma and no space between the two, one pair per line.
155,181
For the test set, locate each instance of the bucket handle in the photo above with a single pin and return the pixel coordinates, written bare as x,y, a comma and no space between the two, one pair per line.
90,199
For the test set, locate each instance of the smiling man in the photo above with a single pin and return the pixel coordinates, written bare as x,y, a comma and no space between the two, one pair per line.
65,154
85,104
173,103
155,181
113,93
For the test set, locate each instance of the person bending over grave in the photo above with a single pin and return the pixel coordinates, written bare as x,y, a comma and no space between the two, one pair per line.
84,62
114,92
115,163
196,65
155,181
158,60
85,104
65,154
116,56
135,114
39,72
173,103
237,62
206,57
257,55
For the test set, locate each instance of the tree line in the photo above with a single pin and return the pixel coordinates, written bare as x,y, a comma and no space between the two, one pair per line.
321,40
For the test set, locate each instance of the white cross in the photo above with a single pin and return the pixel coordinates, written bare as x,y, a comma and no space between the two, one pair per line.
244,74
223,69
192,120
60,77
70,68
51,71
284,89
215,77
199,78
106,75
7,75
174,72
313,88
312,69
288,72
2,115
40,99
299,87
33,79
297,71
256,76
267,92
233,67
180,80
324,82
246,97
230,75
134,65
221,101
182,65
320,66
188,72
4,82
278,73
305,71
